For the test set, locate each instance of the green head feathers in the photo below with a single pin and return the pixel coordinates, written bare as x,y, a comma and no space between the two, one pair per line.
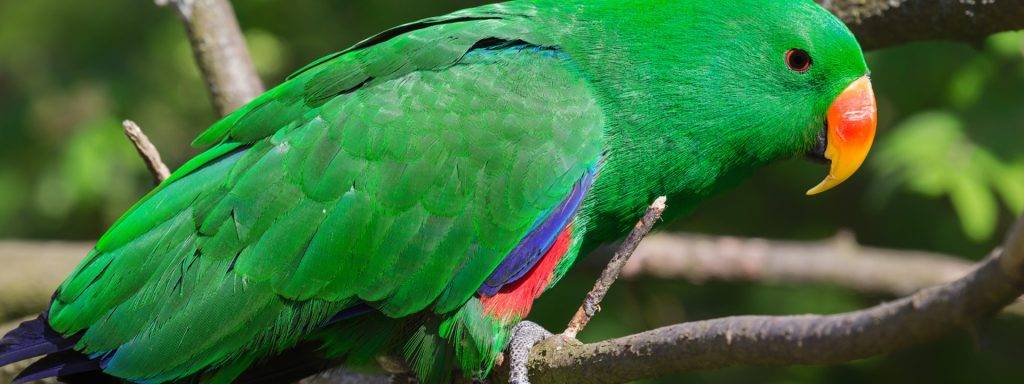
721,66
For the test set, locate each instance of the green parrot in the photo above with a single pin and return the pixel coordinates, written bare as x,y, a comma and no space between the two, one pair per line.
413,194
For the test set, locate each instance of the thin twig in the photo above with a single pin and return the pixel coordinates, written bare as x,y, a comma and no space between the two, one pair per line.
150,155
592,303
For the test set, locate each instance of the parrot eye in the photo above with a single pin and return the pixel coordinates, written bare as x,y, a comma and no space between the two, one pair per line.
798,60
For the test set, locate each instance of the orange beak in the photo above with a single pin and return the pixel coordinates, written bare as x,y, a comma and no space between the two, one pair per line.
852,119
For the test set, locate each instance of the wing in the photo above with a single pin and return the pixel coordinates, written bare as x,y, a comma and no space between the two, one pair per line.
400,174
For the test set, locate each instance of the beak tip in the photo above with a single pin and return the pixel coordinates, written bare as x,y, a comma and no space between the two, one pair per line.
818,189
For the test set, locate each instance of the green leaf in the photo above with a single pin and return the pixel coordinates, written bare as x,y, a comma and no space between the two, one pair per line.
968,84
930,154
1006,44
1010,185
975,205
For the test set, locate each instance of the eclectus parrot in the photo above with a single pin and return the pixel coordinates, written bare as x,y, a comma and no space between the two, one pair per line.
415,193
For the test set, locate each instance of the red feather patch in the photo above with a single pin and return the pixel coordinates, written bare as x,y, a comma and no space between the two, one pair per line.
514,300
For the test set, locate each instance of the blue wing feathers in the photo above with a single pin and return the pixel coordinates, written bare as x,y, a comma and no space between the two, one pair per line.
537,242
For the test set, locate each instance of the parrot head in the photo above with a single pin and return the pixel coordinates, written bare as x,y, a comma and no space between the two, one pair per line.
737,83
824,69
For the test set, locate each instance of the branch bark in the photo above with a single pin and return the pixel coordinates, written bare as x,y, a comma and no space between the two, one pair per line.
787,340
150,155
839,261
592,303
220,51
884,23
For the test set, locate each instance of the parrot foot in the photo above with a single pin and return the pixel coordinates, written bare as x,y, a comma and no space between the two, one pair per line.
525,335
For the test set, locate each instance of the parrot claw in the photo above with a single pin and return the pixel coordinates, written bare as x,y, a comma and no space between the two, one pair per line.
525,335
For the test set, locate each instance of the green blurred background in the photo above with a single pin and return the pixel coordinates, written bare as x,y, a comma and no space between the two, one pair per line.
947,174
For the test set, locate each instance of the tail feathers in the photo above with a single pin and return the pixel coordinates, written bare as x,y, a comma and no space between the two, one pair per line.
32,338
62,363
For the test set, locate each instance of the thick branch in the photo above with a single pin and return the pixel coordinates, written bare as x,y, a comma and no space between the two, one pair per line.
220,52
592,303
883,23
787,340
840,261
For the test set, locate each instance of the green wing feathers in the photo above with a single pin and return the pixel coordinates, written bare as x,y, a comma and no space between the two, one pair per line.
397,174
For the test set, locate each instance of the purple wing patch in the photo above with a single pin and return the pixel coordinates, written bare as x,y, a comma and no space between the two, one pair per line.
35,338
537,242
31,339
69,362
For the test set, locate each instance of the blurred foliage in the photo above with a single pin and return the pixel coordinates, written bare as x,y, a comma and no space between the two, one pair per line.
932,153
947,174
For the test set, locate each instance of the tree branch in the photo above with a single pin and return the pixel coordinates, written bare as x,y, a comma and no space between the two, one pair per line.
220,51
839,261
787,340
884,23
150,155
592,303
